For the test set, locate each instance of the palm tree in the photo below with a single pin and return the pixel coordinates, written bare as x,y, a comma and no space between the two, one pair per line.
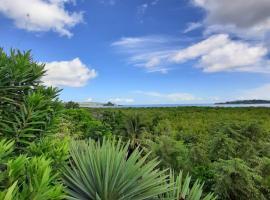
133,130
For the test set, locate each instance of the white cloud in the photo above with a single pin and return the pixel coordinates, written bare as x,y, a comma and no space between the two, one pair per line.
246,18
89,99
149,52
216,53
139,43
169,97
220,53
41,15
192,26
262,92
72,73
121,100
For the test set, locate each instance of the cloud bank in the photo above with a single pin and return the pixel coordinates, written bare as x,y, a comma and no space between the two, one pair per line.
246,18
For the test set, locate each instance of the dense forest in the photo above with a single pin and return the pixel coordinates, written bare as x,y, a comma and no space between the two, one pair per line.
54,150
227,148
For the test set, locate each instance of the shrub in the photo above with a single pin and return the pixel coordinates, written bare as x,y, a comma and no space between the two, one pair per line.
180,189
103,171
24,178
84,125
26,107
235,180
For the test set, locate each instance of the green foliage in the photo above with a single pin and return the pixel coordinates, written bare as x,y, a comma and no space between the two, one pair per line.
196,139
84,126
24,178
30,120
227,148
235,180
10,193
264,169
133,130
163,127
103,171
71,105
172,153
52,147
180,189
26,108
6,148
112,120
19,74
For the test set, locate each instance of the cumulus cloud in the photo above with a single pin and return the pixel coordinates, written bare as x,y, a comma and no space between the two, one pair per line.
220,53
121,100
169,97
71,73
248,18
41,15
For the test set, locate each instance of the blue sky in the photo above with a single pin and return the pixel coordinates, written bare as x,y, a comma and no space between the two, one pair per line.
145,51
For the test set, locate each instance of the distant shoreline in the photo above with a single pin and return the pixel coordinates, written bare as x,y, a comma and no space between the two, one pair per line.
187,105
242,103
254,101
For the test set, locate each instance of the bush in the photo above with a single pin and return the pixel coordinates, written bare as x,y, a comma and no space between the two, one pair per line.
235,180
103,171
84,126
24,178
180,189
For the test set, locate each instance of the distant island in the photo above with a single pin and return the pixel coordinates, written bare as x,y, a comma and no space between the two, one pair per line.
254,101
96,104
109,104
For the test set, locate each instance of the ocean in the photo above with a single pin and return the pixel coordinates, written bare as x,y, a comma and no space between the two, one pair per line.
192,105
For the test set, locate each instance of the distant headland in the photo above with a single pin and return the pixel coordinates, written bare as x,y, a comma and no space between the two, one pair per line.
253,101
97,104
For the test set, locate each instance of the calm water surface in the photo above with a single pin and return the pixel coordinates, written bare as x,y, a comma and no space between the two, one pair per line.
193,105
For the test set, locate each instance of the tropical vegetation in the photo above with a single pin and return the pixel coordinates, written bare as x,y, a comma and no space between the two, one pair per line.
54,150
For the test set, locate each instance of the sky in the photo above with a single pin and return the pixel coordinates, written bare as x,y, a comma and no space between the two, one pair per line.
145,51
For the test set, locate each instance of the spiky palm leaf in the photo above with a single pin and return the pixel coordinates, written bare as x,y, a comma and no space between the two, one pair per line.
103,171
181,189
